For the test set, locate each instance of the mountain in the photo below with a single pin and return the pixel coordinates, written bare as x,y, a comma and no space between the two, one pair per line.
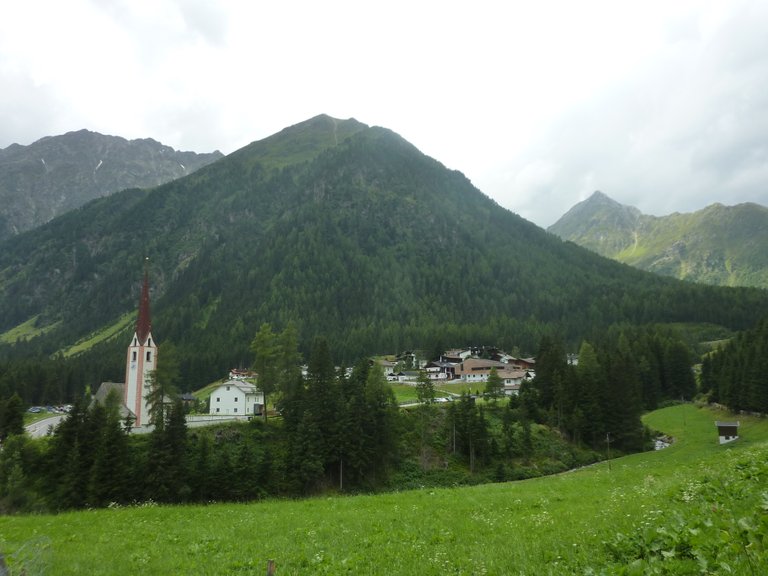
346,231
720,245
58,173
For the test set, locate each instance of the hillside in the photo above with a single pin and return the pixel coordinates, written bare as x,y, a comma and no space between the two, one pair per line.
344,230
720,245
659,512
59,173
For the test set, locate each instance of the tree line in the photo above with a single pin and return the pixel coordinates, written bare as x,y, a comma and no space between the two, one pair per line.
616,378
340,429
735,373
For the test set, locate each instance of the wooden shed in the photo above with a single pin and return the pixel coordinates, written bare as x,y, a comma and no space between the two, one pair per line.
727,431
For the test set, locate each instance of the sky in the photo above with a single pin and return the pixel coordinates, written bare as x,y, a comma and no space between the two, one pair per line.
662,105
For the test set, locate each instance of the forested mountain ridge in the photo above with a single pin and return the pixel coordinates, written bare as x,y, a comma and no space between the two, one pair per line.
721,245
344,230
59,173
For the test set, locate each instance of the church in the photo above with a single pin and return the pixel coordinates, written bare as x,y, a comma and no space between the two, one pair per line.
141,360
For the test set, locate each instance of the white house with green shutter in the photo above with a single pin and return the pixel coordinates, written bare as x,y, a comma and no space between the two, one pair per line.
236,398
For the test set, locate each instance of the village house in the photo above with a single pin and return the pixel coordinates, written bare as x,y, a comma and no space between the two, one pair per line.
474,370
236,398
241,374
456,356
441,370
512,380
727,431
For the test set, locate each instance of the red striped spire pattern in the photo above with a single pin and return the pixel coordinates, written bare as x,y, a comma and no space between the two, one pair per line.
144,322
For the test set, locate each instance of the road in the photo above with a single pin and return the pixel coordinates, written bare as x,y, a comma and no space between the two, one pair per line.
40,428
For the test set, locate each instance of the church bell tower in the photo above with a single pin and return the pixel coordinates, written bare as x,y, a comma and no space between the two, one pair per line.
141,360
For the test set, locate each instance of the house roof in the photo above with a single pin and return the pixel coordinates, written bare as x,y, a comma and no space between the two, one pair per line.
512,373
481,364
244,387
438,364
103,392
729,424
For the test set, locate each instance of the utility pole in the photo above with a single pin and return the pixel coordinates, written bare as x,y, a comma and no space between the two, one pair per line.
608,449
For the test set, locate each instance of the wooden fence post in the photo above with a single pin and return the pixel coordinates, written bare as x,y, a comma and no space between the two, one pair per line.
270,568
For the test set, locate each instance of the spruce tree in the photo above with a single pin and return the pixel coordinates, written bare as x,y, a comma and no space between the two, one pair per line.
494,387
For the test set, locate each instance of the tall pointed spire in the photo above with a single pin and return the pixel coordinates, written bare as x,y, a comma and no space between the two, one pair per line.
144,322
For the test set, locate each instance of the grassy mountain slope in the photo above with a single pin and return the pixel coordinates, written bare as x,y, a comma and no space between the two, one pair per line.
347,231
720,245
58,173
574,523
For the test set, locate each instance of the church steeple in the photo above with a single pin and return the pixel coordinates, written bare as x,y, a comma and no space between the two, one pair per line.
141,360
144,322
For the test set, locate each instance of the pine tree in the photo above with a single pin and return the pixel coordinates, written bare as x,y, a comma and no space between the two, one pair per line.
590,426
163,386
494,387
111,462
265,349
425,389
11,416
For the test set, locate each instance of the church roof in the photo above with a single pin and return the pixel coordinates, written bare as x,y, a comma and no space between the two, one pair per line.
144,322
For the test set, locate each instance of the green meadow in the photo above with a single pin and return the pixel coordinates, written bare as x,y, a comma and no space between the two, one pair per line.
693,508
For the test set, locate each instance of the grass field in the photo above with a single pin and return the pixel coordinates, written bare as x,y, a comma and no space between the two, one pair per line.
552,525
25,331
405,393
100,336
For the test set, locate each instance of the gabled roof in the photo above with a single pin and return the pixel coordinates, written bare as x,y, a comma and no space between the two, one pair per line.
482,364
103,392
512,374
244,387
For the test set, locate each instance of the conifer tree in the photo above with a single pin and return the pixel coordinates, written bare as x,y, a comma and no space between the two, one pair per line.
265,349
163,384
11,416
111,462
494,387
425,389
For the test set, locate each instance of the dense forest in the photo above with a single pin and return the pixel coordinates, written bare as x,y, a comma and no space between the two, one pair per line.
340,229
735,374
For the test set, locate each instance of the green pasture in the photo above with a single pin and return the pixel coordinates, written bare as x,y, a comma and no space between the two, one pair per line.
405,393
553,525
101,335
25,331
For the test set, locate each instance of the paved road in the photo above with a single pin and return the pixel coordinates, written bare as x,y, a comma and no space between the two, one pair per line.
40,428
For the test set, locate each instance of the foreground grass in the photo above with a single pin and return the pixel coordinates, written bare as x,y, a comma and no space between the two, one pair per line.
553,525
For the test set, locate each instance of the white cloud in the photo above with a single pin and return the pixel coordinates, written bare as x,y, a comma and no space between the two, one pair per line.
657,104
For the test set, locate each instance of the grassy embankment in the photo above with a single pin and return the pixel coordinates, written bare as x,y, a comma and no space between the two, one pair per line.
552,525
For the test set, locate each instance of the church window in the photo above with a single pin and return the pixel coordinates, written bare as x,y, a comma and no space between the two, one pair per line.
235,398
149,356
218,399
235,410
149,341
217,409
133,356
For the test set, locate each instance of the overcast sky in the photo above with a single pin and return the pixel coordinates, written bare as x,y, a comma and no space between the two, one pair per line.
662,105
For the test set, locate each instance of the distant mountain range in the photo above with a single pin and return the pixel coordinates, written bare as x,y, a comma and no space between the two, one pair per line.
345,230
719,245
59,173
